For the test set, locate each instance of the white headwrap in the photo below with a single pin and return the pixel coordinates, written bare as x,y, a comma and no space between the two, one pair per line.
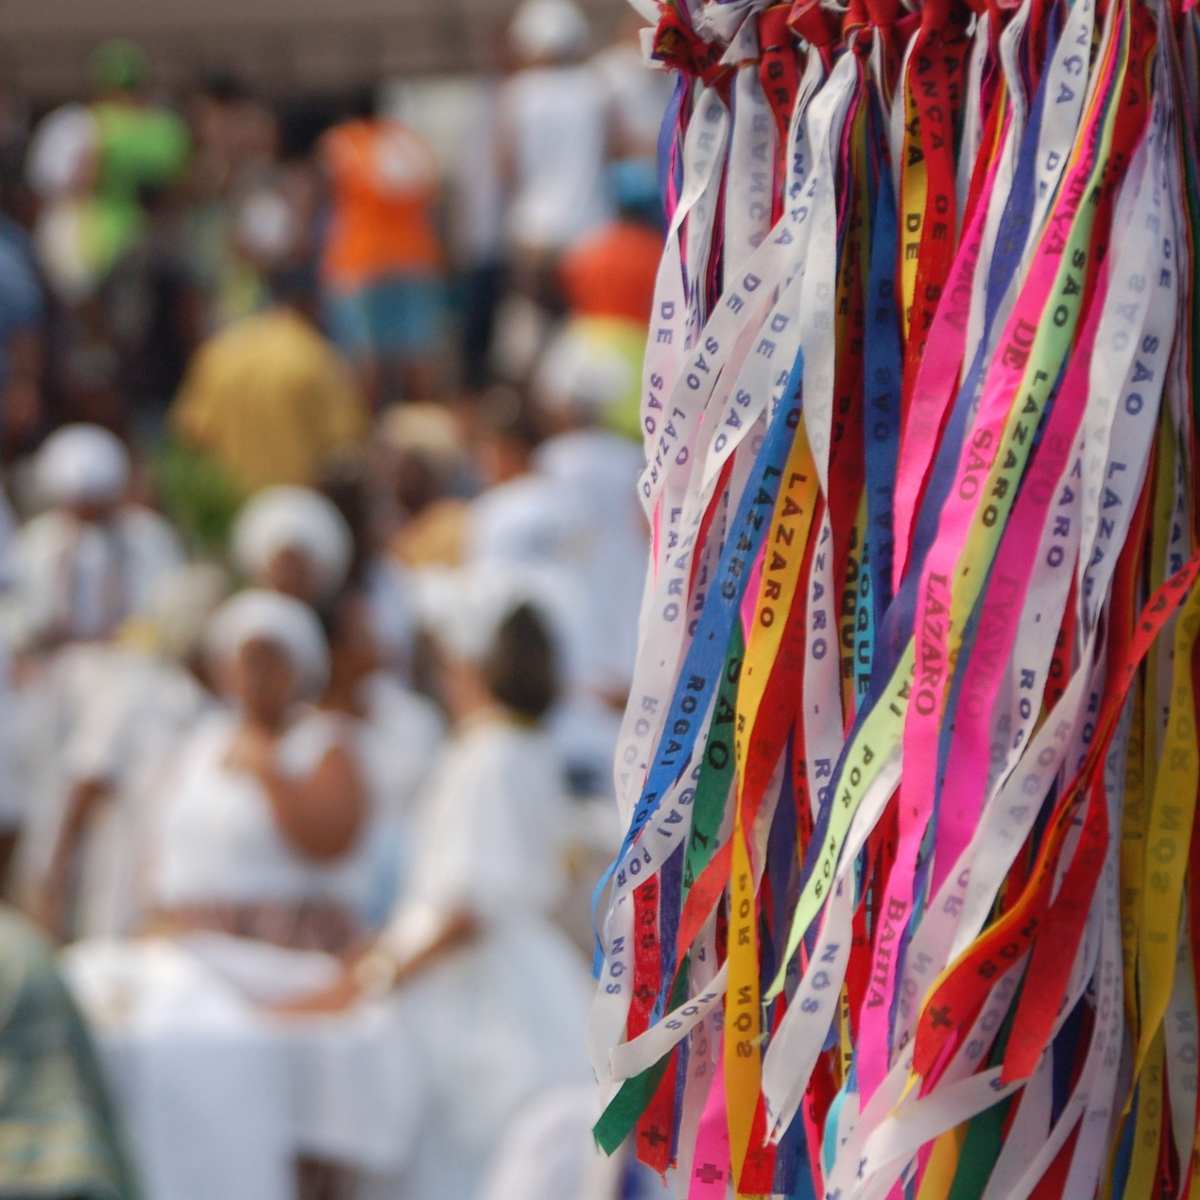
261,615
464,608
582,375
62,145
82,463
296,518
267,226
549,29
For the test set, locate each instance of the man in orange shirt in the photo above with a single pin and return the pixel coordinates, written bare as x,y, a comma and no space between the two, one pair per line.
382,265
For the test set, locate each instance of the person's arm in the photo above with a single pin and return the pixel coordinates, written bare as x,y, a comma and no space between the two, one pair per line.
320,815
54,894
380,970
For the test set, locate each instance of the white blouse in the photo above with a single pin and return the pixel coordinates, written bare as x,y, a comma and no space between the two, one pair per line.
219,842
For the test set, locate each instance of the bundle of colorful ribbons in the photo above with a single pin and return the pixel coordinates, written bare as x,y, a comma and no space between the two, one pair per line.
906,900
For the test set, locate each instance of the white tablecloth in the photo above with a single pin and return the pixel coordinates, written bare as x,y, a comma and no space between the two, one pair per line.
218,1097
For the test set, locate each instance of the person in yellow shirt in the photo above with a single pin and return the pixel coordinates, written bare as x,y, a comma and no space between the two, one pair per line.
269,399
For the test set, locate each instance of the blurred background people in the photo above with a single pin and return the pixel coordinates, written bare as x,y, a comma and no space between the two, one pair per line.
90,560
382,262
142,694
475,919
268,398
265,809
555,135
295,541
139,144
320,568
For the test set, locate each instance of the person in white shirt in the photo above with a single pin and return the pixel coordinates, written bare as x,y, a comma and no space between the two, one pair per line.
86,851
84,565
264,816
579,381
531,522
481,975
555,133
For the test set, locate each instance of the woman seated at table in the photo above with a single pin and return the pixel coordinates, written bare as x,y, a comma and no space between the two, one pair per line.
492,991
263,817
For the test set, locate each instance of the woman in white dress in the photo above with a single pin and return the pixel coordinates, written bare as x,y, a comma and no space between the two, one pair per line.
264,817
490,988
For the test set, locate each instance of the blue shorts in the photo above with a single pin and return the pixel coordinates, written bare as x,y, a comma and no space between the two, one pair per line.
401,314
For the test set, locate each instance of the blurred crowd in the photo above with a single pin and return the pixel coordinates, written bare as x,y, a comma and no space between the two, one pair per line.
320,569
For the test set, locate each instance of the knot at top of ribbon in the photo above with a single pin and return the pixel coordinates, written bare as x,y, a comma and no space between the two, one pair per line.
677,45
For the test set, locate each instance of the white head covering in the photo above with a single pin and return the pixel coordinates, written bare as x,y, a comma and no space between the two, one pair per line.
581,375
63,144
261,615
267,226
464,608
296,518
526,522
82,463
549,29
390,611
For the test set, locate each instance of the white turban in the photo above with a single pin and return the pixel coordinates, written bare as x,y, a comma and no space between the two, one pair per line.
549,29
80,464
298,519
267,226
261,615
62,145
464,608
583,375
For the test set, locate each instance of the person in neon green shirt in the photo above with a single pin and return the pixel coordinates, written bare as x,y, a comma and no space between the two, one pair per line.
140,144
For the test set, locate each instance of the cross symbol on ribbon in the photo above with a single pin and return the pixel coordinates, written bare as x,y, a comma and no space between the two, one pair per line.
654,1135
940,1016
709,1173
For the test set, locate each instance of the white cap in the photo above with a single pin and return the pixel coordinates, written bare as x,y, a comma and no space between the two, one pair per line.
299,519
262,615
549,29
82,463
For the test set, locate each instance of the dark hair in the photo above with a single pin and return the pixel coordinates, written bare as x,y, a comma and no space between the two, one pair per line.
224,87
364,103
521,668
508,412
344,483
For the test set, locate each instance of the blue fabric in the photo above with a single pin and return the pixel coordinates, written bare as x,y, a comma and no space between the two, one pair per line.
400,314
21,301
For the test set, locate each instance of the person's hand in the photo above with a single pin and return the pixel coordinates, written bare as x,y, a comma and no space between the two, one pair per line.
339,997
